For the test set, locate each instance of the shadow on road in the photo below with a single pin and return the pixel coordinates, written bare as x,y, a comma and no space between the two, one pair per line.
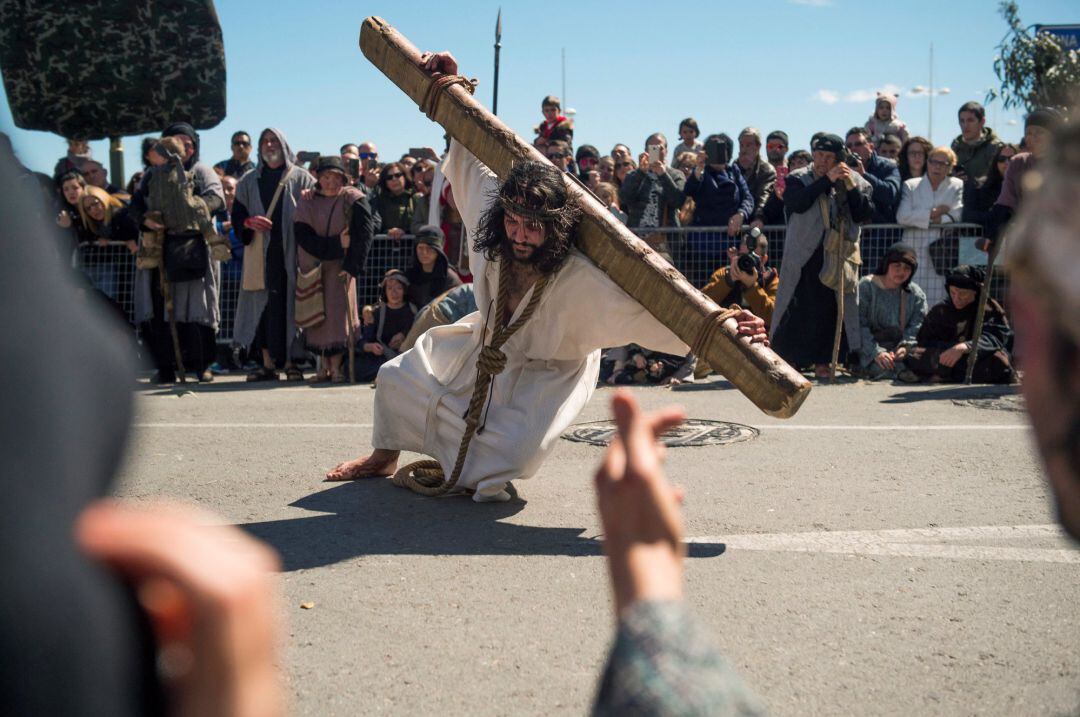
374,517
951,393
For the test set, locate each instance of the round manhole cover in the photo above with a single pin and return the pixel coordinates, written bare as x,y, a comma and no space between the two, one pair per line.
693,432
1010,402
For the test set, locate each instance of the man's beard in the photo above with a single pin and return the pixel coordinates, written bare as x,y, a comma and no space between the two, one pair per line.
531,259
535,257
273,156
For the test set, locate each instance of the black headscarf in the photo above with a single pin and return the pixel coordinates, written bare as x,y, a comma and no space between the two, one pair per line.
965,277
899,252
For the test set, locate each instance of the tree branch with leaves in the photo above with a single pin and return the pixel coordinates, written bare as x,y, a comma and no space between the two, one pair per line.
1033,68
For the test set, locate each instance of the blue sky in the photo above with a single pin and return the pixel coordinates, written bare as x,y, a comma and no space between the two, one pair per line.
631,68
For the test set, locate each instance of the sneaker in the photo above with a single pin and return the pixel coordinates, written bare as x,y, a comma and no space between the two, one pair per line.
907,376
206,376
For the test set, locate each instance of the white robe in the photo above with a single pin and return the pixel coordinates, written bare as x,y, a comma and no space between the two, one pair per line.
917,198
551,368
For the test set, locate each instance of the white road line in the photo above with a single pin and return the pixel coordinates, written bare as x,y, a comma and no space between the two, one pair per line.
943,427
912,543
766,427
253,425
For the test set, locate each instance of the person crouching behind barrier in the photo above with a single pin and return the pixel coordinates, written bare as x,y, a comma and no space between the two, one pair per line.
945,338
891,312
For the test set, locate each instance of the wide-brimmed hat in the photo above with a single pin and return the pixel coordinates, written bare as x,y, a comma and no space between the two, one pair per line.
331,163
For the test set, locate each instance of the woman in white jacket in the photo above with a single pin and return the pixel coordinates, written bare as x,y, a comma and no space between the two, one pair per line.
934,198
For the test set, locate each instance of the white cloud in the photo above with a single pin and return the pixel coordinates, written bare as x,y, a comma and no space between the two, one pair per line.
829,97
812,3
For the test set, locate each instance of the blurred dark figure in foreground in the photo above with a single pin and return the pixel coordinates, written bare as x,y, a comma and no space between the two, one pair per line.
1043,252
183,618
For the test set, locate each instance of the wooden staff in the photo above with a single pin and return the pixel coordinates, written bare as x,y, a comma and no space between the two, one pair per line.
167,300
754,369
980,313
349,330
840,287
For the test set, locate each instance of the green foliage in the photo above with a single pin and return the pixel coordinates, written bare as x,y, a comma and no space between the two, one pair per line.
1033,69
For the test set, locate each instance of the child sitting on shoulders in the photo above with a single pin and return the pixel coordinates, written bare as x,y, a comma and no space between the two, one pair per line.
884,120
555,125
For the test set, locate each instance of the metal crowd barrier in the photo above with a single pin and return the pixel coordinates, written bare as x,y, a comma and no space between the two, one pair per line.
874,240
111,268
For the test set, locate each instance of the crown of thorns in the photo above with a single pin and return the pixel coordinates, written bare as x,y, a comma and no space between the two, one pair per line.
516,205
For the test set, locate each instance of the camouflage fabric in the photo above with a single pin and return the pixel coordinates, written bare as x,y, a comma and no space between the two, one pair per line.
171,195
103,68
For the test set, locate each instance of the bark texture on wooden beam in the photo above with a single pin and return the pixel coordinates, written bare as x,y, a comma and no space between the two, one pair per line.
762,376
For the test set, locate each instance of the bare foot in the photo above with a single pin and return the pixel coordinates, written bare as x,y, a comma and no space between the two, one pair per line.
380,463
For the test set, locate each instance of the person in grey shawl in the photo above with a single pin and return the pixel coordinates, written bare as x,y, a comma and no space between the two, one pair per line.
805,316
891,310
194,276
264,317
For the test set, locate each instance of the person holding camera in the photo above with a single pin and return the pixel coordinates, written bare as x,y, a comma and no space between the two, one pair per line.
826,196
652,193
722,198
746,280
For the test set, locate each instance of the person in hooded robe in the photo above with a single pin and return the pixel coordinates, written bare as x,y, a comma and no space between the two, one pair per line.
891,311
193,274
947,335
265,312
430,274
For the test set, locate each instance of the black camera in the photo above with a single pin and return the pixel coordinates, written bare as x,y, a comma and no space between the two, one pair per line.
750,262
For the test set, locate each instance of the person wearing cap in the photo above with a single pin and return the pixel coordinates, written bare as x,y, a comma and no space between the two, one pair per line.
946,336
393,316
1039,128
195,301
265,317
430,273
891,311
333,229
804,320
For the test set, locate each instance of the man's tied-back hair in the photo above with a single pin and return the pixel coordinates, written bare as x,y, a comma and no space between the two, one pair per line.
534,191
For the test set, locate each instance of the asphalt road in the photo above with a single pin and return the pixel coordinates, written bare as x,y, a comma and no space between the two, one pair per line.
887,551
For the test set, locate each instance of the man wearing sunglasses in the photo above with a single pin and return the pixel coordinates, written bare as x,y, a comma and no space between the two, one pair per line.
369,165
558,152
240,162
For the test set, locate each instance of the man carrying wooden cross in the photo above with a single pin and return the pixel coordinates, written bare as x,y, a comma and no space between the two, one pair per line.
545,311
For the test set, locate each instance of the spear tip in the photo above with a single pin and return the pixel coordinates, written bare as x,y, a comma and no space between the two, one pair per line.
498,25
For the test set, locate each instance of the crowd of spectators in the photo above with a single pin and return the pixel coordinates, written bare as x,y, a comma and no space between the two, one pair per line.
292,221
